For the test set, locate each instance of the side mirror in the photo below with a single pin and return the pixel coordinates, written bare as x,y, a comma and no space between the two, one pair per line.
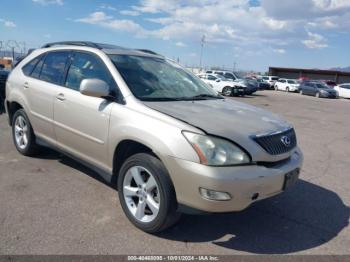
94,87
217,80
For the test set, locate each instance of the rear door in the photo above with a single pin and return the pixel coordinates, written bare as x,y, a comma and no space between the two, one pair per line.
82,122
41,86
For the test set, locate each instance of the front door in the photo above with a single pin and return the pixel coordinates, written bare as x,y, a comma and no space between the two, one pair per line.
82,122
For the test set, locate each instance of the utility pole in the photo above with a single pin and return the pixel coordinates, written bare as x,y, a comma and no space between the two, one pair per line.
202,45
12,44
234,66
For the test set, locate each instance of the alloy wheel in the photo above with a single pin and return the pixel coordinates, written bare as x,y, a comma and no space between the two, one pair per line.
141,194
21,132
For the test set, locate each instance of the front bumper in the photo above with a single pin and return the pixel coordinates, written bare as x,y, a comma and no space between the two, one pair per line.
328,95
241,182
237,91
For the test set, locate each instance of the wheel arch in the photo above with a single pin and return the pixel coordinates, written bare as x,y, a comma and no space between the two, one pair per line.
12,108
124,150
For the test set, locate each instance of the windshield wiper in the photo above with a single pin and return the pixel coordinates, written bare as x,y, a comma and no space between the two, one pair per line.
160,99
201,96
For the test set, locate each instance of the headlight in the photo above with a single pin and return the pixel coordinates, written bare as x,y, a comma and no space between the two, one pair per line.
213,151
324,91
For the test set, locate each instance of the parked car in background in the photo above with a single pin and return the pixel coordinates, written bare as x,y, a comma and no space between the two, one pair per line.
221,84
226,74
263,85
3,77
166,140
271,80
318,89
288,85
329,83
343,90
250,86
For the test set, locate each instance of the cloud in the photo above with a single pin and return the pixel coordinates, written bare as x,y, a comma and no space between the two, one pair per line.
8,23
48,2
279,51
129,12
315,41
123,25
238,23
180,44
108,7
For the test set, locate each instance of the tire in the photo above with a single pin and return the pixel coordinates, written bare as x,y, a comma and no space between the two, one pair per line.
226,91
2,104
135,196
23,134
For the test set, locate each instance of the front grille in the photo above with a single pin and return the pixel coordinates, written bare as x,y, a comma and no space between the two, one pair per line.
276,144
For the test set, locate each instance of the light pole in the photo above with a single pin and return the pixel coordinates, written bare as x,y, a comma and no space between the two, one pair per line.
202,45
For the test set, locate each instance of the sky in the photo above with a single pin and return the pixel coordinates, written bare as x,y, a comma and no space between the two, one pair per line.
247,34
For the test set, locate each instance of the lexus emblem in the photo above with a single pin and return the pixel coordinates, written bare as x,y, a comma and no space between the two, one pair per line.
286,141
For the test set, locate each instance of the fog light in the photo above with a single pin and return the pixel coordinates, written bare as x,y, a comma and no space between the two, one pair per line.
214,195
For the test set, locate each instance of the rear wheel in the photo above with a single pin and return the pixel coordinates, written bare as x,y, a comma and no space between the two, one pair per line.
23,134
147,194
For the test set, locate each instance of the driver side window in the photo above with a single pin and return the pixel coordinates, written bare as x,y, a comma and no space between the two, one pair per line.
211,77
87,66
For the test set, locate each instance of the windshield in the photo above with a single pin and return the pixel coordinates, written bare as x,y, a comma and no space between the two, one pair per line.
292,82
321,85
221,77
159,79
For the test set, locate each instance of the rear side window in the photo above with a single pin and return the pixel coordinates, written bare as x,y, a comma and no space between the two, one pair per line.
87,66
37,69
29,67
53,68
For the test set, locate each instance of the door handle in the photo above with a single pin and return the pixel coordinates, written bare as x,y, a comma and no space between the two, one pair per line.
26,85
60,97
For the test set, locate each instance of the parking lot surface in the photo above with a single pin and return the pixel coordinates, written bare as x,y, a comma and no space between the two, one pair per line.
51,204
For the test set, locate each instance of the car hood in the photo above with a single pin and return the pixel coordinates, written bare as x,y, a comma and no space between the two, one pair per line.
223,117
329,90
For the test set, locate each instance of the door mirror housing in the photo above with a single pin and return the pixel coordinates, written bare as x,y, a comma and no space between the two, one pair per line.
217,80
94,88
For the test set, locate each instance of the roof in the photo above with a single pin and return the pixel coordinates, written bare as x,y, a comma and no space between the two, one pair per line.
315,71
106,48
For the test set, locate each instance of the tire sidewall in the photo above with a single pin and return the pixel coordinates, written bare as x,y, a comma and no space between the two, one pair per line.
160,174
31,138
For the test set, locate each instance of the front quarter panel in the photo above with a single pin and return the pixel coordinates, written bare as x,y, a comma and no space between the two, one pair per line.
161,133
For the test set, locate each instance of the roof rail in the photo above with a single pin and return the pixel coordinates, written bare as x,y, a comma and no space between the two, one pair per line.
75,43
147,51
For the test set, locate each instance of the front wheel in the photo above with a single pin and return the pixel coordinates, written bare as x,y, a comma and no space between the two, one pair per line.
23,134
226,91
147,194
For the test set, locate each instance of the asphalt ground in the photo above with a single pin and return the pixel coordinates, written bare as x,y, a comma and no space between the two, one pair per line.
51,204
